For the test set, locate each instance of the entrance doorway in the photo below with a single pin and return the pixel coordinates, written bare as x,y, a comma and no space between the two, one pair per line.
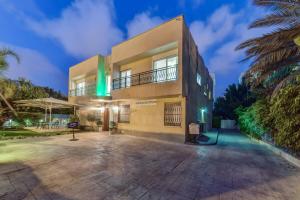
105,126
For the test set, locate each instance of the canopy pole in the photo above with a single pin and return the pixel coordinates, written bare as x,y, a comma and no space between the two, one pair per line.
46,114
50,117
74,110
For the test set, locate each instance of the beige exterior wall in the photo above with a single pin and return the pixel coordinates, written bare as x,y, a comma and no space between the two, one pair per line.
141,50
150,118
138,54
197,100
166,33
86,70
151,90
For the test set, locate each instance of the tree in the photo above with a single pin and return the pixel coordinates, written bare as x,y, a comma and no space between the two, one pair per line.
234,97
3,66
276,50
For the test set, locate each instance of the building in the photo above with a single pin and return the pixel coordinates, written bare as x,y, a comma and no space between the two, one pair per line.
155,82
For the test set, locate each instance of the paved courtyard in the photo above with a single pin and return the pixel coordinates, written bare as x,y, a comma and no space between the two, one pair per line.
99,166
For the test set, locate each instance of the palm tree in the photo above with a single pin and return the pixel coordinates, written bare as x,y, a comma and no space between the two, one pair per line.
3,54
276,50
3,66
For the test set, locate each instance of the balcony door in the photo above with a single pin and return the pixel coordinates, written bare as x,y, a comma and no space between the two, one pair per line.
80,88
125,78
165,69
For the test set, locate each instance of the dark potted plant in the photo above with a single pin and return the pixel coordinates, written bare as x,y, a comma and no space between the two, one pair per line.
113,127
99,124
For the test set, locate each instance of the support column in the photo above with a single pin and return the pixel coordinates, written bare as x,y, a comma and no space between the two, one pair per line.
46,114
50,116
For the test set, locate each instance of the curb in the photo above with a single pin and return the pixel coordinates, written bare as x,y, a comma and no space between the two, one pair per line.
295,161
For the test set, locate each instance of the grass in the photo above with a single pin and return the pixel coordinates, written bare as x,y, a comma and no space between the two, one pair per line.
12,134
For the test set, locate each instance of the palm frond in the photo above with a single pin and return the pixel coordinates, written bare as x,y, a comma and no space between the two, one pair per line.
289,79
257,74
7,52
3,64
277,18
281,3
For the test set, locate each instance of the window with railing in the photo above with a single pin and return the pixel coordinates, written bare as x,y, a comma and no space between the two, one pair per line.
125,78
172,114
86,90
164,70
153,76
165,67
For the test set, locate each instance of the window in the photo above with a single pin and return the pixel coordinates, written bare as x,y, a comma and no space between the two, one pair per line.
125,78
124,113
199,79
108,85
80,88
165,69
172,114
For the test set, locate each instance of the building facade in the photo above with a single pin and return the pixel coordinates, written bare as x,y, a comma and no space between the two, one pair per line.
155,82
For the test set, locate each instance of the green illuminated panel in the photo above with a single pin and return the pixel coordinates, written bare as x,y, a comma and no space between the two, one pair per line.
101,78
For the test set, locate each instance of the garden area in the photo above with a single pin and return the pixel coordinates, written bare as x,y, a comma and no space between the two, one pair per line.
266,104
31,119
23,133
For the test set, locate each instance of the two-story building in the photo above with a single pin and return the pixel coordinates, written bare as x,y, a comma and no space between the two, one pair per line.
155,82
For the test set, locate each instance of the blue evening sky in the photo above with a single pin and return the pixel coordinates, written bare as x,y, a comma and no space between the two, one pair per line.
51,36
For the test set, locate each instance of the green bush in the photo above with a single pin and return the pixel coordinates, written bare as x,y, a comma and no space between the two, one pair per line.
280,117
249,119
285,111
73,118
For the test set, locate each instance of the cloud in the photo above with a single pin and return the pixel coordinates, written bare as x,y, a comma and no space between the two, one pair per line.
19,8
193,3
36,67
221,33
142,22
218,26
84,29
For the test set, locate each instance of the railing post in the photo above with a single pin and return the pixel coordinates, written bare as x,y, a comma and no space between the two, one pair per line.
139,79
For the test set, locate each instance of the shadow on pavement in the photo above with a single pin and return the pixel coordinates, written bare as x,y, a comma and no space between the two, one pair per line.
20,182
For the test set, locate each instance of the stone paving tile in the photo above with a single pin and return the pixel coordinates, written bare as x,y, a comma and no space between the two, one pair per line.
99,166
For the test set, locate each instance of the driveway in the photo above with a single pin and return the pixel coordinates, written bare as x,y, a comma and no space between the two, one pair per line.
119,167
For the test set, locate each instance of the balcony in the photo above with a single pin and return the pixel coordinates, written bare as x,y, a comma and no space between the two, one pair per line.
169,73
88,90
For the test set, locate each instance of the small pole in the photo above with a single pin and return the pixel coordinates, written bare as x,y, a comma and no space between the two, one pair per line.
73,134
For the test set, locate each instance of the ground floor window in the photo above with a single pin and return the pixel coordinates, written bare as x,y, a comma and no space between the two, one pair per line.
124,113
172,114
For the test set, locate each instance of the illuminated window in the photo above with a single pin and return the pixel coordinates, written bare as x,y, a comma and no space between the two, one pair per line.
124,114
80,88
172,114
125,78
108,84
199,79
165,69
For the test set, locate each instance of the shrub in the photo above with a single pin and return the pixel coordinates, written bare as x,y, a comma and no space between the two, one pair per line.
74,118
285,111
248,123
249,119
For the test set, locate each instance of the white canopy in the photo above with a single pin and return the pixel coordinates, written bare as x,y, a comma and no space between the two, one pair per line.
47,104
